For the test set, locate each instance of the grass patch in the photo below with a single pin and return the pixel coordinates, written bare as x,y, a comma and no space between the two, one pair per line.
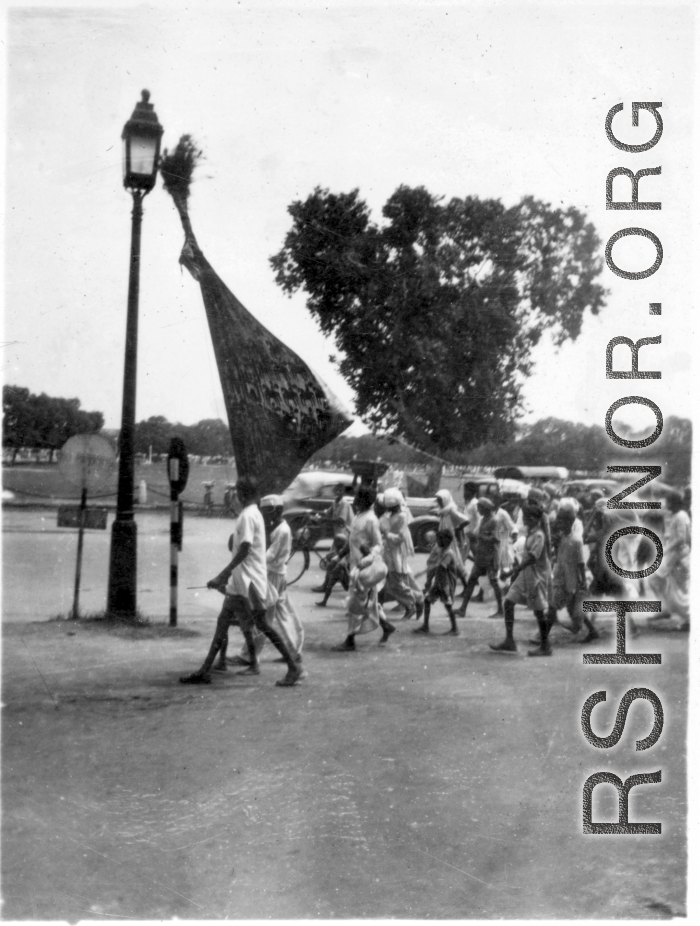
42,481
142,628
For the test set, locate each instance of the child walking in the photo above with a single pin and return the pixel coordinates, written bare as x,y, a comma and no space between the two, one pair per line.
531,586
441,581
486,556
336,567
569,578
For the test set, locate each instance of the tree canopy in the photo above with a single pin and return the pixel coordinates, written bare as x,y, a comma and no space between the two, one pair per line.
587,448
548,442
209,437
42,421
435,311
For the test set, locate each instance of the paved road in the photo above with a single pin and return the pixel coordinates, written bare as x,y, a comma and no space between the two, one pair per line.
35,548
429,778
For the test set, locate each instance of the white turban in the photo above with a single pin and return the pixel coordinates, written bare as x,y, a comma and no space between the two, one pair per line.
272,501
393,498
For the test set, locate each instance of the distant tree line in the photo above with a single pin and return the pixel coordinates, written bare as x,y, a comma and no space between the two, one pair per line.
42,422
208,438
548,442
587,448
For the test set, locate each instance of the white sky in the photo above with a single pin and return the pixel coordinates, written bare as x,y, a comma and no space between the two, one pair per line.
492,99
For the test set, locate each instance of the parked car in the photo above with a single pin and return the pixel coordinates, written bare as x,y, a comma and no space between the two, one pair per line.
312,493
584,486
315,489
309,496
425,524
533,473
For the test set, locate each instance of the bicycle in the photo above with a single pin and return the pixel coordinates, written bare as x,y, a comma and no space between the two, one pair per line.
307,532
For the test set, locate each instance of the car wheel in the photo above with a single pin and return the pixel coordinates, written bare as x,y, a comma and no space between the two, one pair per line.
424,537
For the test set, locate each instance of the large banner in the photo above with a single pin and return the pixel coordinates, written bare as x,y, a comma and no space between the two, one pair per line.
279,412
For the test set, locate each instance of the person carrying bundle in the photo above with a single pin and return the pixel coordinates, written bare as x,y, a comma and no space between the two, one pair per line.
398,551
367,573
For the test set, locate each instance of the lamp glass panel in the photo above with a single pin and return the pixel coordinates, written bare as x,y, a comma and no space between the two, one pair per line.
143,154
125,157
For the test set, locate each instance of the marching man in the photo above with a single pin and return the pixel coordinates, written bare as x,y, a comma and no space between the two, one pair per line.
246,590
281,615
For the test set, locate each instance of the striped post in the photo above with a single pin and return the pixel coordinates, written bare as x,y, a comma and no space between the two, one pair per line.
174,474
79,558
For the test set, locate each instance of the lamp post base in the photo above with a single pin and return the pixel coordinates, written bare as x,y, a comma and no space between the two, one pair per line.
121,596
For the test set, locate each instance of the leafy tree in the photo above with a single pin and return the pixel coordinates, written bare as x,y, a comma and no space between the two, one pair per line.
209,437
153,435
17,420
553,442
673,451
547,442
435,311
42,421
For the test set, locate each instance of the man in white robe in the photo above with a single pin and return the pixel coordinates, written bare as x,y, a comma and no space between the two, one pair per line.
281,614
246,593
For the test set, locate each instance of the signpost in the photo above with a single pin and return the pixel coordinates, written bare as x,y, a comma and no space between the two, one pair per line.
87,462
178,471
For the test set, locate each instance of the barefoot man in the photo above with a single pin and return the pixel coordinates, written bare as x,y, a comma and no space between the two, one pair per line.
246,593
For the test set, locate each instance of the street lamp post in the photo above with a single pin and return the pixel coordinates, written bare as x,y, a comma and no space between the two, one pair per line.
141,136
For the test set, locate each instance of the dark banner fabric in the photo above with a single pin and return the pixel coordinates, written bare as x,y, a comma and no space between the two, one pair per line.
279,412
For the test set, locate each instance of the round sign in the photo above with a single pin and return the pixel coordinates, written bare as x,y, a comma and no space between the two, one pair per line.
87,461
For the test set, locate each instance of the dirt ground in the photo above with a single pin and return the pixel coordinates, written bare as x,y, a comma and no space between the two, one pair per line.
427,778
